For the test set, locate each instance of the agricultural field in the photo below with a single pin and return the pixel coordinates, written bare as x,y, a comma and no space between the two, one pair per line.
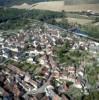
23,6
77,20
59,6
96,24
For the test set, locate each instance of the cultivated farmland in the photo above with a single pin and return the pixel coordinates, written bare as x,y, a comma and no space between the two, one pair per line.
77,20
59,6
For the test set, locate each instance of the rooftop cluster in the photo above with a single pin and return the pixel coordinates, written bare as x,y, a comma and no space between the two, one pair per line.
39,63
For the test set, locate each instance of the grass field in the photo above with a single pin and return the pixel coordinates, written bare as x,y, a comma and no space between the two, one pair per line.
77,20
59,6
23,6
96,24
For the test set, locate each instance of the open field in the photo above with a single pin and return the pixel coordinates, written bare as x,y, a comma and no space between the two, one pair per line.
77,20
59,6
96,24
23,6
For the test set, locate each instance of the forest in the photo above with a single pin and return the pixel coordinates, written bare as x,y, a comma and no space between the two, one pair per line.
15,18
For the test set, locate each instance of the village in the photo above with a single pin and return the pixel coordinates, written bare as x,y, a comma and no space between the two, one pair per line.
51,81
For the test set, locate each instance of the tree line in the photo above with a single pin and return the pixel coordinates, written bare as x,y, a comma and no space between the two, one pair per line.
14,18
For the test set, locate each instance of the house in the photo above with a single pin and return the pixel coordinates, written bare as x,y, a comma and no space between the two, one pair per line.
15,70
1,91
30,60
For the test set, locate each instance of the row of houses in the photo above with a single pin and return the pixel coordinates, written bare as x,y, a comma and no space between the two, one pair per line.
36,45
